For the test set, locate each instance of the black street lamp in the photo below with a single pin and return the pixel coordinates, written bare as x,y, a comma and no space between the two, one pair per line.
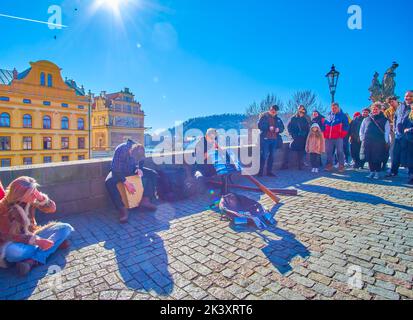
332,78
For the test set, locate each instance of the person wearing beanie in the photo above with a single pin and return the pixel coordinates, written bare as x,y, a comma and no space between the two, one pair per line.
355,142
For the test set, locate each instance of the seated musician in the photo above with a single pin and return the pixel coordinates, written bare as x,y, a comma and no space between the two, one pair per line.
205,168
215,161
128,161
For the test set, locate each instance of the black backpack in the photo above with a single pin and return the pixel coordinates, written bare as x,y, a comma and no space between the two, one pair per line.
175,185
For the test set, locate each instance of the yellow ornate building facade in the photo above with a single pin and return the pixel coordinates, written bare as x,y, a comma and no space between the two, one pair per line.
42,117
116,117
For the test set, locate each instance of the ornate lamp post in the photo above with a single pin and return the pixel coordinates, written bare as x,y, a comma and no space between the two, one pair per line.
332,78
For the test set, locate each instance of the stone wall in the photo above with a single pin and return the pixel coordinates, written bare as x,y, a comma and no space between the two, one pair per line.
77,186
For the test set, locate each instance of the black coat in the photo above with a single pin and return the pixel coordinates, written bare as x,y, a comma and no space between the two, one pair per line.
407,144
354,132
298,128
374,147
264,124
320,121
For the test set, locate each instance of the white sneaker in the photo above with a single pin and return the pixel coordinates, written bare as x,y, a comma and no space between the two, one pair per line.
313,170
371,175
316,170
376,176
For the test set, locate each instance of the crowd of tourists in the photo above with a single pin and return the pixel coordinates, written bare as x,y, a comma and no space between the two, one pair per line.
377,134
373,136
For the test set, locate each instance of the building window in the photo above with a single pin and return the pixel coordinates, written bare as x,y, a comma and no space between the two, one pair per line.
46,103
81,157
47,159
5,163
27,143
4,98
49,80
128,108
118,108
65,123
81,143
65,105
5,143
5,120
135,110
80,124
27,161
27,101
47,143
65,158
42,79
27,121
81,107
47,122
65,143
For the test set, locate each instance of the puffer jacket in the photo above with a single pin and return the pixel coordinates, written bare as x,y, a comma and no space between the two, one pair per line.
336,126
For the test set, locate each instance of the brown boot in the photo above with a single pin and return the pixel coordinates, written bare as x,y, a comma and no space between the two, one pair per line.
329,167
341,169
146,204
23,268
123,215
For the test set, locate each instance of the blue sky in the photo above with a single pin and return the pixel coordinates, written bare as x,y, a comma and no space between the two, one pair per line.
185,58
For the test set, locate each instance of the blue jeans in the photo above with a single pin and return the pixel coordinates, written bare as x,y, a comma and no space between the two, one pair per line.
17,252
268,149
338,144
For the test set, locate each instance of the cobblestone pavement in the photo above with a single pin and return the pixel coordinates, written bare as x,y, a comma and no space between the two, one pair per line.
343,237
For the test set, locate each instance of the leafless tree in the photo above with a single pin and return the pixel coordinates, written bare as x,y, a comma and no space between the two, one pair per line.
254,110
307,98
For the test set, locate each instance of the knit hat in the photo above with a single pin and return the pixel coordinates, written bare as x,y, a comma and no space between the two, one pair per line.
315,125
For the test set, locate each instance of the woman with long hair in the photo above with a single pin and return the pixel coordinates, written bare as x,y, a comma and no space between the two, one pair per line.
375,138
22,241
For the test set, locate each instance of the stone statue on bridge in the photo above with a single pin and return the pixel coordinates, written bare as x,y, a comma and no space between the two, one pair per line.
375,88
389,84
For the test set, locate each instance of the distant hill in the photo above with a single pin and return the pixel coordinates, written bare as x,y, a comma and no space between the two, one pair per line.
223,121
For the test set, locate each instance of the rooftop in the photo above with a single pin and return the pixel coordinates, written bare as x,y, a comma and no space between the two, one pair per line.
338,230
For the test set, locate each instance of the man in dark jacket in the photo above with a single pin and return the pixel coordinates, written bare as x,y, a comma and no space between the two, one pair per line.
128,161
355,142
298,129
337,126
271,127
401,134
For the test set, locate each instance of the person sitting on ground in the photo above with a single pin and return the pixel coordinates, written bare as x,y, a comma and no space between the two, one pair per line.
271,127
22,240
375,138
204,166
315,146
2,192
128,161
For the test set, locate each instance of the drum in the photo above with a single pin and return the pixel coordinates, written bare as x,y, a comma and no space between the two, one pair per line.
131,201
